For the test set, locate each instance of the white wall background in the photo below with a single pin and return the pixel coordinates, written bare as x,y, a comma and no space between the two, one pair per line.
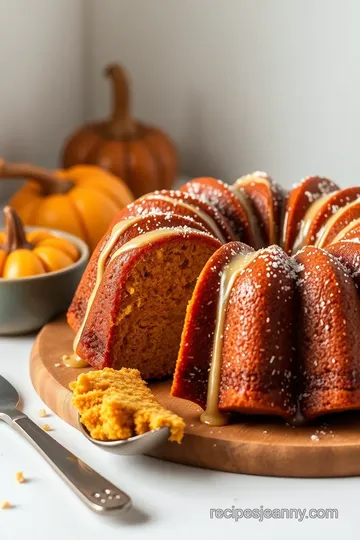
42,78
240,84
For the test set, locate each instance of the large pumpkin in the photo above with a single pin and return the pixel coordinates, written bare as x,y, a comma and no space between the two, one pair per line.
81,200
143,156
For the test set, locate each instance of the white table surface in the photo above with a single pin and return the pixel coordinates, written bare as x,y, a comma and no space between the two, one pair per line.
167,498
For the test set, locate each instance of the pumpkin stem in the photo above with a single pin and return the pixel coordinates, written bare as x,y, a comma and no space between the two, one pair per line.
120,125
50,183
15,237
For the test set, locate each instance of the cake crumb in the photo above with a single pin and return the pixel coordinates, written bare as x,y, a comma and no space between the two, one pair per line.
43,413
314,437
46,427
5,505
20,477
57,364
118,404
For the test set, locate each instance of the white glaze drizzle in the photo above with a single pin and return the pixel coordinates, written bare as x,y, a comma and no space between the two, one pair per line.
117,231
308,220
148,237
73,361
322,236
136,242
206,218
258,177
254,226
212,415
345,230
254,176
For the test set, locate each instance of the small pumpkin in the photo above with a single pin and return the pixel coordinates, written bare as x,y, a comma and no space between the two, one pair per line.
82,200
34,253
143,156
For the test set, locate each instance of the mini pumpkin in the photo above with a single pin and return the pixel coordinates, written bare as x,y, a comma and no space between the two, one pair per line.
37,252
82,200
143,156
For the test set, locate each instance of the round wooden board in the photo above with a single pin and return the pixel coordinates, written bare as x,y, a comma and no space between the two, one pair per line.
252,446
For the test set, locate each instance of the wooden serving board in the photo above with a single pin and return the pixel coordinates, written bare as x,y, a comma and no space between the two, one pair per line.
252,445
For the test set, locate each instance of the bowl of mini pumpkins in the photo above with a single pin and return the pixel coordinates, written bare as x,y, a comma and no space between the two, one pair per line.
40,269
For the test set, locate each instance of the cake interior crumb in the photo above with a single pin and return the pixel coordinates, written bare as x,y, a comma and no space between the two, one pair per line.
118,404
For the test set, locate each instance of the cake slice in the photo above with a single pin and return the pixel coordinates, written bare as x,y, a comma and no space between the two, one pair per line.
118,404
130,306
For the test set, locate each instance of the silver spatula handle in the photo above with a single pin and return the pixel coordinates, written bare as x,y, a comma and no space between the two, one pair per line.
99,494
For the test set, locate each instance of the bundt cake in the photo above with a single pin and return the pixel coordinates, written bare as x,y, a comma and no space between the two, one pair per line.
252,292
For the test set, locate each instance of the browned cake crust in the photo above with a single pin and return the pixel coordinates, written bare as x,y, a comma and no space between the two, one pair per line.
192,369
268,200
350,213
348,253
257,354
223,199
338,199
298,202
352,232
260,328
328,335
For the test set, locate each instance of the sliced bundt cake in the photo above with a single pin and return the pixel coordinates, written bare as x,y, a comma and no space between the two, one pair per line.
272,331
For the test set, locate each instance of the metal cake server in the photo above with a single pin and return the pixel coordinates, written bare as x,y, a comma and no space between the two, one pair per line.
140,444
99,494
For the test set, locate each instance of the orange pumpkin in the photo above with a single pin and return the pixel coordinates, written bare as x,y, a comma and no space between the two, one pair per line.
37,252
143,156
82,200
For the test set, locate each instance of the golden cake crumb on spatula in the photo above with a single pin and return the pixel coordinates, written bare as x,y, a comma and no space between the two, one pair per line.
117,404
